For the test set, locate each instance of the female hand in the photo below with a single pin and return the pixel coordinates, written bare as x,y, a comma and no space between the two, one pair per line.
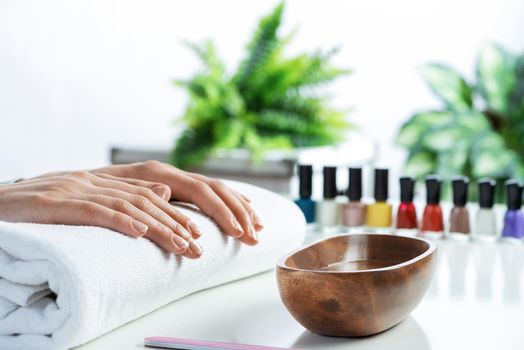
131,199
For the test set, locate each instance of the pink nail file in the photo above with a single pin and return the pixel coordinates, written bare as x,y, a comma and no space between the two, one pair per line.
186,344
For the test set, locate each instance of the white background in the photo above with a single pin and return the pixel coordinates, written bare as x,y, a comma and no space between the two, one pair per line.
79,76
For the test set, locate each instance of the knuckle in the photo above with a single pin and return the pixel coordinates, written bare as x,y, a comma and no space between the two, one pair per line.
88,209
142,202
39,199
80,175
146,192
200,187
152,164
120,205
215,183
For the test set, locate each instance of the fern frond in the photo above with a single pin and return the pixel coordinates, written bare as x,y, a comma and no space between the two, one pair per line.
261,46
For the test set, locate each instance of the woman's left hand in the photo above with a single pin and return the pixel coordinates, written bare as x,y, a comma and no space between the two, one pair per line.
230,209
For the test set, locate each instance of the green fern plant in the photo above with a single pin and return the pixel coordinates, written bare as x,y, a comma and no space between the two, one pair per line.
479,131
271,101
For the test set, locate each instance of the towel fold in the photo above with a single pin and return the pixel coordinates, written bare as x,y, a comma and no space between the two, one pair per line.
61,286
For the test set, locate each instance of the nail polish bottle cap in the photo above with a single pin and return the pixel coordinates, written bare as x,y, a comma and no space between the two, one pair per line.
330,182
460,186
433,189
355,184
407,189
305,175
513,194
381,185
486,193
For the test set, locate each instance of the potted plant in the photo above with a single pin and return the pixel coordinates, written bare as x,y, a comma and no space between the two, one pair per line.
269,102
479,131
250,123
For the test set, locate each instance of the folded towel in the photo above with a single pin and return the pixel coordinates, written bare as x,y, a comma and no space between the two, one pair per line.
61,286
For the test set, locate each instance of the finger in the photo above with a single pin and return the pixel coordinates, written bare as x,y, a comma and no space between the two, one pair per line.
80,212
166,213
185,189
238,209
157,232
247,199
160,189
239,206
257,222
182,238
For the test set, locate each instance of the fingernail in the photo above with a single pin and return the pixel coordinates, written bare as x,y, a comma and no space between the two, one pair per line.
179,242
194,229
253,233
162,192
237,226
195,247
140,227
181,230
258,221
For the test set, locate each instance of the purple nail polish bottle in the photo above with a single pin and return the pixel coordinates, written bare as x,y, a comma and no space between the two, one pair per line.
514,218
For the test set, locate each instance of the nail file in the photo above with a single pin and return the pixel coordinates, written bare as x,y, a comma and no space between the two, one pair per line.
187,344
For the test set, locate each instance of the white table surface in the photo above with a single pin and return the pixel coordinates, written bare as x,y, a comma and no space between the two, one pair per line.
476,301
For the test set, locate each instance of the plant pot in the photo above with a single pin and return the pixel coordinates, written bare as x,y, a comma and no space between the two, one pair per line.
274,172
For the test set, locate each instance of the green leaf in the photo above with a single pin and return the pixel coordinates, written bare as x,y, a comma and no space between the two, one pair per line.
444,139
489,141
229,135
261,46
434,119
413,131
448,85
495,77
453,162
491,164
516,101
474,122
420,163
410,134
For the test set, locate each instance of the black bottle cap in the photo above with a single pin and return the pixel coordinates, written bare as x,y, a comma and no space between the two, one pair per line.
330,182
460,186
355,184
305,176
381,185
433,189
486,192
513,194
407,189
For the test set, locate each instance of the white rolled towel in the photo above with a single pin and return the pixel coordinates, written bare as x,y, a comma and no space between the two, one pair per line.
61,286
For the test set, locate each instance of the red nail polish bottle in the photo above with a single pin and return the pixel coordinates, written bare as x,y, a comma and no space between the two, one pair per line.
406,213
432,220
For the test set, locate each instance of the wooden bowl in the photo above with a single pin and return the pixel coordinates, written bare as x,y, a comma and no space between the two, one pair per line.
356,285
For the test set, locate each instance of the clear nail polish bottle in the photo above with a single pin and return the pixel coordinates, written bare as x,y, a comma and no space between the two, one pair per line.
485,222
327,210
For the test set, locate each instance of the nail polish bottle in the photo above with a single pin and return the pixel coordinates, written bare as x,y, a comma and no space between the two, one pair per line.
327,211
407,214
432,220
485,222
304,202
379,213
459,227
513,230
354,211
